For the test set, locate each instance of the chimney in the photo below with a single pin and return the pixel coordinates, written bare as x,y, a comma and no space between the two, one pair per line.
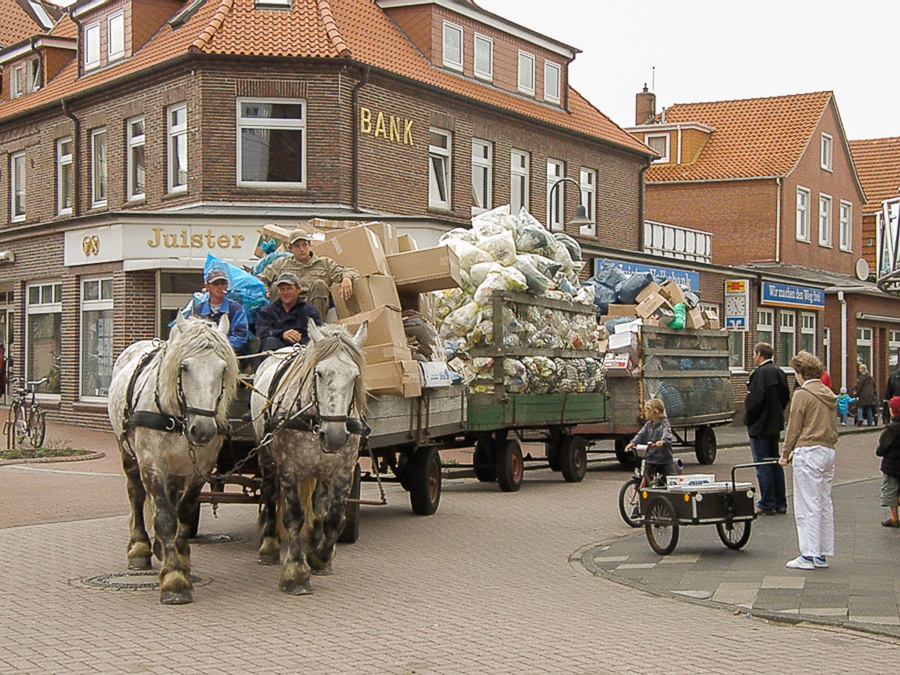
644,107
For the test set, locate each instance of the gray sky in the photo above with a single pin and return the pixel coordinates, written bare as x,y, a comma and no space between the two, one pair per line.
709,50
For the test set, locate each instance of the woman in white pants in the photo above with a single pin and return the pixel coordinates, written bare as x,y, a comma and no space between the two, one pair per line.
809,443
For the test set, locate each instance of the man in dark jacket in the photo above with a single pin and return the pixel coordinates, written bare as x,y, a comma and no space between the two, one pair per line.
891,389
889,451
283,322
767,396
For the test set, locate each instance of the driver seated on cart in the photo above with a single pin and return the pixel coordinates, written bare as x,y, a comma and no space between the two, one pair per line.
657,435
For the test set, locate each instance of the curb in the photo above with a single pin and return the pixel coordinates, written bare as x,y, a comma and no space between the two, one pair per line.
48,460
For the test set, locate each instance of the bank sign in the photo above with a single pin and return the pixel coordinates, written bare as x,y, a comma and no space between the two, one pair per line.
787,295
680,277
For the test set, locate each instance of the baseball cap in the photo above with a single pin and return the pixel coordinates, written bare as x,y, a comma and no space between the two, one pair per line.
215,275
297,235
895,406
287,278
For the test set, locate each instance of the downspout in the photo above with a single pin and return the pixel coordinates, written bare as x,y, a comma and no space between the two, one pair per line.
79,55
355,138
843,301
641,185
678,127
778,220
76,157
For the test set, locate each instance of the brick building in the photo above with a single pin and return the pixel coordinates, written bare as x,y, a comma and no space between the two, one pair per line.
154,132
773,181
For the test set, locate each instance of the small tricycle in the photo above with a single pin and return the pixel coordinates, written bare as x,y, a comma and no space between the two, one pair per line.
687,500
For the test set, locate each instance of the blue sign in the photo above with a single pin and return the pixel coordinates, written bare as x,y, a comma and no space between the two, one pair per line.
681,277
735,323
787,295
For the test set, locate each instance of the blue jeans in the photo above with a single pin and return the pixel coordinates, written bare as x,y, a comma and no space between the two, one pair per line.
867,413
771,477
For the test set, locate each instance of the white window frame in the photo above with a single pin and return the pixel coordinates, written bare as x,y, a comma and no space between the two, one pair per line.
33,74
556,170
826,220
450,28
99,167
91,45
808,331
864,342
765,323
827,157
440,169
549,95
519,180
846,226
18,187
664,157
50,302
176,146
115,36
134,142
103,302
826,348
893,349
588,182
787,325
482,42
737,350
64,167
482,158
802,219
16,77
268,124
526,69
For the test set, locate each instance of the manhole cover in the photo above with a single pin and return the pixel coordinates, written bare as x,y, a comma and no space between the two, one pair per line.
201,539
130,581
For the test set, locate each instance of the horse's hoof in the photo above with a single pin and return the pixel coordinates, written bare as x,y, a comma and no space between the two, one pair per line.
176,597
139,564
269,558
324,572
298,589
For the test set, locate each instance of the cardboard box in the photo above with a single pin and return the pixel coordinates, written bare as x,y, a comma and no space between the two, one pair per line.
423,303
672,291
358,248
386,233
616,311
369,293
693,318
629,326
407,243
619,365
650,289
323,224
386,352
398,378
650,304
429,269
435,374
712,319
626,343
385,326
268,232
691,479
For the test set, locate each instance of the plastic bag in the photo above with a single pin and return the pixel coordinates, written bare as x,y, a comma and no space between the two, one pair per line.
543,264
490,220
572,246
629,289
460,321
531,238
502,247
468,254
243,287
447,300
537,282
680,316
458,233
609,274
267,260
478,272
507,279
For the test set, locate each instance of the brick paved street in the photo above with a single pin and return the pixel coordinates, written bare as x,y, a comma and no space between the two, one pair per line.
493,583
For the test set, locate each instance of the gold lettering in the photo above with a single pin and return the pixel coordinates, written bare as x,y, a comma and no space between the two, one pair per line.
210,239
196,241
365,121
184,239
224,241
170,240
153,243
395,129
238,238
380,130
407,132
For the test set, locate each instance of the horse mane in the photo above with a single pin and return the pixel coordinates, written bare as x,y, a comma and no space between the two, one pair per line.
193,336
335,339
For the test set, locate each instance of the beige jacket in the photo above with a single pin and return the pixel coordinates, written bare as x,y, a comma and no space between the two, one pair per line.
813,419
317,268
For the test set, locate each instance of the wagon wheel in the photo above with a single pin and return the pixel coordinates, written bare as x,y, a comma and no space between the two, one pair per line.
735,536
350,533
629,502
424,474
705,446
510,466
483,461
626,458
573,458
661,526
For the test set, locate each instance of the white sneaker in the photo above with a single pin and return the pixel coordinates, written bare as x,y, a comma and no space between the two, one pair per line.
800,563
820,563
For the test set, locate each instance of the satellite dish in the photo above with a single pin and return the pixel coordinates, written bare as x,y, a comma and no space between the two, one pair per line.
862,269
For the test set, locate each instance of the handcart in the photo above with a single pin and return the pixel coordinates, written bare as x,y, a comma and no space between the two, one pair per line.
730,506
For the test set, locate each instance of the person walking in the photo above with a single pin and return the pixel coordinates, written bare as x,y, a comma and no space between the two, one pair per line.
889,451
767,396
809,444
891,389
865,396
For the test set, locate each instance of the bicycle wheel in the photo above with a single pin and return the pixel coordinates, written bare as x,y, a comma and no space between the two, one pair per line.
661,526
37,427
736,536
629,505
19,426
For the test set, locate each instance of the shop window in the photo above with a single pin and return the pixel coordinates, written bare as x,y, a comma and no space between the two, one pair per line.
482,158
96,337
177,160
272,143
98,168
555,198
43,335
439,155
65,176
519,173
808,332
137,162
787,339
17,182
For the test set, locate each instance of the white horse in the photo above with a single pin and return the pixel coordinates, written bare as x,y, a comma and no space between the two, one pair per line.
167,405
311,401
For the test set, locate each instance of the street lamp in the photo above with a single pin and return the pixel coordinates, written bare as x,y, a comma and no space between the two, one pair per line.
580,218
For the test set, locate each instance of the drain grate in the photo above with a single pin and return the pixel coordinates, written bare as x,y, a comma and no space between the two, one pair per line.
130,581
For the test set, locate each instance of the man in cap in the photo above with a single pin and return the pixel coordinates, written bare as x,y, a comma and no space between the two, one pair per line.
218,305
283,322
315,273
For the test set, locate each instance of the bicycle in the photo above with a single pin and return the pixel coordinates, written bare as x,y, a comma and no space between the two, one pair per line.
629,493
27,420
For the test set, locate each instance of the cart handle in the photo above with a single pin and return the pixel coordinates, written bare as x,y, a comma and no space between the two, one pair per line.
747,466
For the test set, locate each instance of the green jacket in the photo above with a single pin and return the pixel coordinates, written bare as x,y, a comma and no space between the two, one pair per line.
317,268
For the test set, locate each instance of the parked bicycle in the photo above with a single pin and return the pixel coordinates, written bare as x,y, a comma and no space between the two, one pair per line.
27,420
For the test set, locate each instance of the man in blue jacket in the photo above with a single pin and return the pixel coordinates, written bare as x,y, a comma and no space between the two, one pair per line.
767,395
283,322
218,305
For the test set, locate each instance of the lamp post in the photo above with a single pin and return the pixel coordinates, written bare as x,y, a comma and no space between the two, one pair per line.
580,218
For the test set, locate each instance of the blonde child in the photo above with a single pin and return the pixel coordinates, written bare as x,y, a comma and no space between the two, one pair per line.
657,435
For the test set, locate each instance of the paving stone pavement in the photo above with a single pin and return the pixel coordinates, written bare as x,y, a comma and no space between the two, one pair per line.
493,583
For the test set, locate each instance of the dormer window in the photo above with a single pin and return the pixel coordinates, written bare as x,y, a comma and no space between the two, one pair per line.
827,146
266,4
115,36
526,73
453,46
91,46
15,81
552,77
484,57
35,76
659,143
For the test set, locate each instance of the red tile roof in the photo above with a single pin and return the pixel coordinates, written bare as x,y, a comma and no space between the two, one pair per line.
753,137
16,24
877,163
355,29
